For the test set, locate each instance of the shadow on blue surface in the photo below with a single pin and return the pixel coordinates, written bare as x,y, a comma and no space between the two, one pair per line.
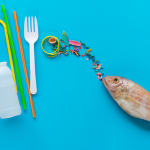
136,121
139,122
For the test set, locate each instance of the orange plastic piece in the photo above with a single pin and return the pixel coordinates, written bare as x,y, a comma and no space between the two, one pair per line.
52,40
88,50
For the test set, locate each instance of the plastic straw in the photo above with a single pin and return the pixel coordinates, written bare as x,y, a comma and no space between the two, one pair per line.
24,64
9,53
14,57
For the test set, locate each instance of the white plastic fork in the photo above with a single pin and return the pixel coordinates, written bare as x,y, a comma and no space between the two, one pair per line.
31,37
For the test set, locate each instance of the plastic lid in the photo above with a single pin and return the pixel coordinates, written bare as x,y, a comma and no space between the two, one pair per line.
3,63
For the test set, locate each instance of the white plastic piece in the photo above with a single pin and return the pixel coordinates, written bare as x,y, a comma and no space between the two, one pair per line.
31,35
9,103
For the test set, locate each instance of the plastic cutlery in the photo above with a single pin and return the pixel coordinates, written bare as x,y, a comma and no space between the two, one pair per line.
31,37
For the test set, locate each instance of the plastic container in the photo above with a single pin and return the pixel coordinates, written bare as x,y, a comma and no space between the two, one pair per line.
9,103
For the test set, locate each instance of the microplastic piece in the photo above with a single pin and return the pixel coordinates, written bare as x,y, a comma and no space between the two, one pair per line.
62,48
94,67
89,50
84,46
71,51
92,56
59,54
52,40
75,43
98,67
89,55
97,62
69,46
65,40
98,74
66,53
76,49
64,33
93,59
74,52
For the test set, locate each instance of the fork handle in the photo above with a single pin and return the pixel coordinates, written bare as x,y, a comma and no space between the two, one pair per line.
33,87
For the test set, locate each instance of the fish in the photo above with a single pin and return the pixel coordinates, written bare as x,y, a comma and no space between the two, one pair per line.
130,96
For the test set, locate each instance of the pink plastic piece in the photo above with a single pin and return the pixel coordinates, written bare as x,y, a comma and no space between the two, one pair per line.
59,54
75,43
98,74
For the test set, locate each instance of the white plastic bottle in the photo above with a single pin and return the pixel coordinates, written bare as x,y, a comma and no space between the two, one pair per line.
9,103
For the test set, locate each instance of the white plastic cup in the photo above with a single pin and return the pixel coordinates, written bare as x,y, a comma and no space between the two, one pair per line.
9,103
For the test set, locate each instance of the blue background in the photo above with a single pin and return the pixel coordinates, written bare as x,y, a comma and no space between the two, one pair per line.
73,109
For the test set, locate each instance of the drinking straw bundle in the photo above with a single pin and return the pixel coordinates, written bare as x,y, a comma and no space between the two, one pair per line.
14,57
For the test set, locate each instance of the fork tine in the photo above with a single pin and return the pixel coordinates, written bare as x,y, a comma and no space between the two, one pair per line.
36,25
29,25
32,24
25,26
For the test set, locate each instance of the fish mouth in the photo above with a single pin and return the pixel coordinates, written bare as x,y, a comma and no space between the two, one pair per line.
107,86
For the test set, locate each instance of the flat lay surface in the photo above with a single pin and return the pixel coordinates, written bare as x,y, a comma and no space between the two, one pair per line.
73,109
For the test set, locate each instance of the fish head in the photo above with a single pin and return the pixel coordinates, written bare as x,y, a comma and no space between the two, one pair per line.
115,85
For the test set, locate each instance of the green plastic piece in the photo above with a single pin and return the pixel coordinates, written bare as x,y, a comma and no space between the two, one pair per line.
14,57
69,46
62,49
64,38
64,33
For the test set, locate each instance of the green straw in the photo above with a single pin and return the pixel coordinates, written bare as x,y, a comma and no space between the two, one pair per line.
14,57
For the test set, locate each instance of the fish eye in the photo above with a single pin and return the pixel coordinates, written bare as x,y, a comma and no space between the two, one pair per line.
115,80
